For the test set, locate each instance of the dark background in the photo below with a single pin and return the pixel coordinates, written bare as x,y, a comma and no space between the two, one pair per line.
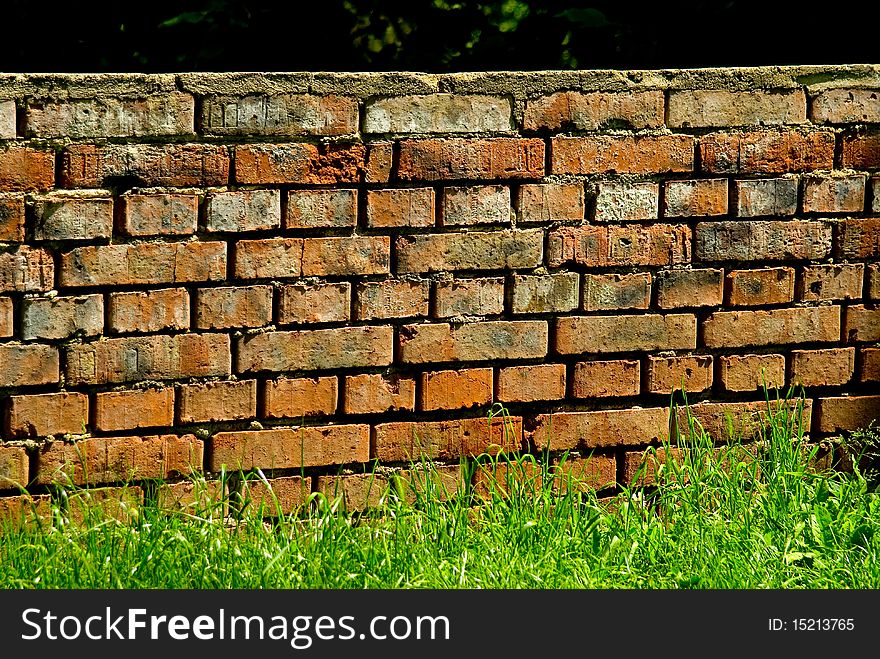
428,35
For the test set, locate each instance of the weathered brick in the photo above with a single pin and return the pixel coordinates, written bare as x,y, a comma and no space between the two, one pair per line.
6,317
626,202
582,474
217,401
25,510
770,196
62,317
586,430
709,108
766,152
860,151
8,120
160,214
27,269
469,297
696,198
836,281
493,250
446,440
822,368
149,311
274,496
136,408
315,303
144,263
862,323
279,114
118,459
873,283
66,216
847,413
858,238
625,154
161,115
548,202
401,207
745,421
156,357
616,291
298,397
456,389
438,113
764,286
751,372
477,159
481,341
321,209
689,288
374,393
172,165
435,483
545,293
343,347
47,414
691,373
503,479
625,333
525,384
603,379
243,210
346,256
765,240
379,163
24,365
869,370
834,194
290,448
616,245
355,492
846,106
392,298
268,258
233,306
12,218
13,473
594,111
298,163
24,169
475,204
197,496
731,329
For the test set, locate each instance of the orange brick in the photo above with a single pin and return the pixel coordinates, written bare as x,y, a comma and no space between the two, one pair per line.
404,207
619,245
836,281
298,163
25,510
87,506
268,258
217,401
339,347
451,390
346,256
744,421
862,323
138,408
355,492
47,414
689,288
595,111
766,152
582,474
468,158
479,341
23,169
160,214
755,287
731,329
601,379
393,298
606,154
410,441
31,364
374,393
617,291
625,333
239,306
380,162
13,470
149,311
284,495
869,370
12,218
315,303
858,238
525,384
549,202
318,209
847,413
822,368
503,479
285,398
586,430
696,198
690,373
860,151
751,372
469,297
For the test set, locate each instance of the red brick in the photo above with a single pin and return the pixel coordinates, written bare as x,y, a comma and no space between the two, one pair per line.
290,448
23,365
380,162
862,323
618,201
617,291
403,207
217,401
13,473
26,270
550,202
375,393
622,154
446,440
156,357
66,216
298,163
766,152
849,413
144,263
149,311
526,384
603,379
616,245
492,250
545,293
346,256
279,114
23,169
836,281
846,106
47,414
475,204
285,495
869,370
834,194
160,214
480,341
625,333
233,306
762,241
319,209
586,430
582,474
689,288
295,398
751,372
770,196
355,492
61,317
822,368
764,286
343,347
171,165
691,373
315,303
858,239
731,329
392,298
119,459
860,151
464,158
469,297
12,218
6,318
696,198
709,108
456,389
438,113
595,111
268,258
137,408
243,210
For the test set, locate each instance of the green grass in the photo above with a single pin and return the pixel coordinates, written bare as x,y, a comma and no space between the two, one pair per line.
718,518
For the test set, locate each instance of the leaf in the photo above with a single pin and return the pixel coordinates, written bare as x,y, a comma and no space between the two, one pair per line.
584,17
191,17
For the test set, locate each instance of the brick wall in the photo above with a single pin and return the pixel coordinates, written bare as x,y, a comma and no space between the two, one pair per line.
307,273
